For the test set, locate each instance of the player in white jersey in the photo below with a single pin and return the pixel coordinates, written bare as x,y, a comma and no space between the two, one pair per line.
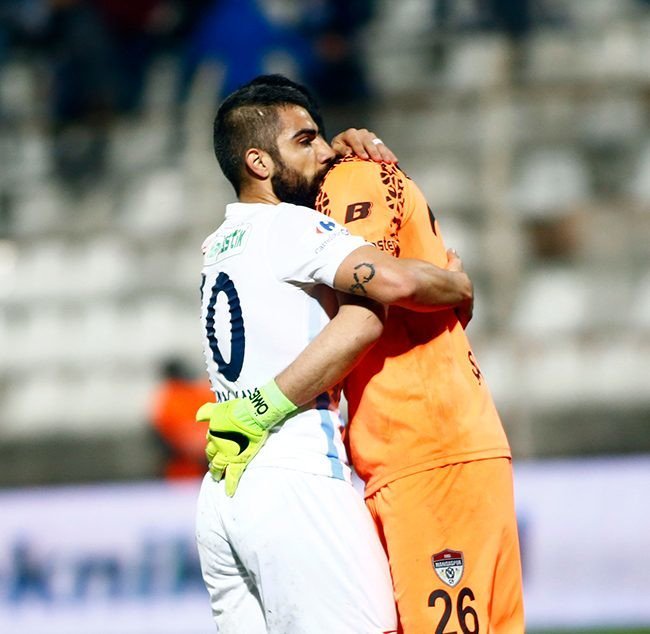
294,551
262,304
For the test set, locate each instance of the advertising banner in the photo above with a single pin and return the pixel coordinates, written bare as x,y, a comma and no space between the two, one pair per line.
121,559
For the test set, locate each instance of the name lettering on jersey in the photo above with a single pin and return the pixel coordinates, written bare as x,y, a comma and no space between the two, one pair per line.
228,244
357,211
476,371
226,396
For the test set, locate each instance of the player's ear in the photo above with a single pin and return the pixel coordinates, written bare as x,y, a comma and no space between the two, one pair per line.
258,163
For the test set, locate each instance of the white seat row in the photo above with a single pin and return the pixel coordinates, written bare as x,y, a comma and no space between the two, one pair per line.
100,334
97,403
562,371
566,301
104,267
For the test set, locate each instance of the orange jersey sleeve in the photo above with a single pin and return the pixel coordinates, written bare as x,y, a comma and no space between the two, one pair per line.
418,399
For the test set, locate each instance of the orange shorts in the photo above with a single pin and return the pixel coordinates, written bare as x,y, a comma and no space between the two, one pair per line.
451,538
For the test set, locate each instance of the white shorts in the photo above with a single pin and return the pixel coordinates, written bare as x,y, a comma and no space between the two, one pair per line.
292,553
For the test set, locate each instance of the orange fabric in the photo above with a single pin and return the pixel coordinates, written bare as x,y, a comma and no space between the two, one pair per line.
467,508
418,400
173,417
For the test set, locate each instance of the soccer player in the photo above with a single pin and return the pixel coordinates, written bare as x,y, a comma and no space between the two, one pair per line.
424,433
295,550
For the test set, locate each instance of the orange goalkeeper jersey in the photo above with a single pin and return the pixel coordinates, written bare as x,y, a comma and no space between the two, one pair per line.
418,399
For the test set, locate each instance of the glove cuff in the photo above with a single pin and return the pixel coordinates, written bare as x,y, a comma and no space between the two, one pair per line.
268,405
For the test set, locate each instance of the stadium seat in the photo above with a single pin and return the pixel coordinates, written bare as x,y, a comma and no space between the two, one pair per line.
447,184
552,301
155,204
8,264
550,181
552,56
639,184
156,327
476,61
41,208
640,306
25,414
112,401
40,270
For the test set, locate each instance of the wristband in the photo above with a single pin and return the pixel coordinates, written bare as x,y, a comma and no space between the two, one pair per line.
267,405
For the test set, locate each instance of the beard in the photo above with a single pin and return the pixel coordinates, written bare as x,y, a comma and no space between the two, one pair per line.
292,187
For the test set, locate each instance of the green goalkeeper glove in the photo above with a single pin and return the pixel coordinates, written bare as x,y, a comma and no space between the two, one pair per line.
238,429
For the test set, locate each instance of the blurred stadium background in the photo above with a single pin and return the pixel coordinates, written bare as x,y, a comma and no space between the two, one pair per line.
526,123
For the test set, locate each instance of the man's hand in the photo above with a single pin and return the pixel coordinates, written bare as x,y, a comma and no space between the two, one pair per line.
234,439
363,144
465,310
238,428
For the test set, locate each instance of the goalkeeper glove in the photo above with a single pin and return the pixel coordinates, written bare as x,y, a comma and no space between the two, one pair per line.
238,429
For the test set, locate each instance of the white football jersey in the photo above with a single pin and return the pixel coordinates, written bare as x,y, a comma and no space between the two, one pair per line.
264,293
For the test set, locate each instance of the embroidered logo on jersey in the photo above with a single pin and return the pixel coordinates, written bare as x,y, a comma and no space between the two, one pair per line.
325,225
449,566
357,211
227,244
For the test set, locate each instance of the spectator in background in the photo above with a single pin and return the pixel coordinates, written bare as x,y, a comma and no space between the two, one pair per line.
242,36
337,71
174,406
238,34
99,53
512,19
82,91
133,29
138,31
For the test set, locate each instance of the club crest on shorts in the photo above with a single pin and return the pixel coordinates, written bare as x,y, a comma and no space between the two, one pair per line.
449,566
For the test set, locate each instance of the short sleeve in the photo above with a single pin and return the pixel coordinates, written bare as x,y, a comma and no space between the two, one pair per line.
308,247
368,198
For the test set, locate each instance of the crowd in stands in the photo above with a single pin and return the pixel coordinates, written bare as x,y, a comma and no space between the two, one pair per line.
96,54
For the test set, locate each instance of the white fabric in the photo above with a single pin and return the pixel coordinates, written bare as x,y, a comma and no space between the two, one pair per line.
295,550
302,546
264,300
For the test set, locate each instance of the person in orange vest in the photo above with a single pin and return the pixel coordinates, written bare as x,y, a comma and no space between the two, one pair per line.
172,417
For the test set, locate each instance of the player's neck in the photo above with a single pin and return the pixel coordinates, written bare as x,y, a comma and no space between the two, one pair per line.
253,194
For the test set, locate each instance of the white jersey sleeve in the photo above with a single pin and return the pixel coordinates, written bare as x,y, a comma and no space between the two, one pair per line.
318,245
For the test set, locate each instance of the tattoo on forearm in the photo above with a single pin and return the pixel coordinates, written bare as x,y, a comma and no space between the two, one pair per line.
363,273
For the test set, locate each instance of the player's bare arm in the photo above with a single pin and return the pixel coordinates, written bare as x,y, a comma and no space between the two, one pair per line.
363,274
412,284
322,364
465,310
362,143
334,351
